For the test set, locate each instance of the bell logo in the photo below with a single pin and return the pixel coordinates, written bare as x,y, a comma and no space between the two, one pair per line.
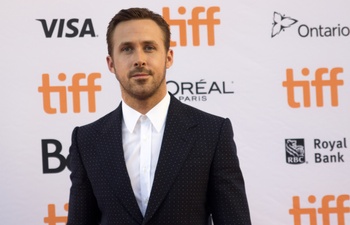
51,154
69,28
318,83
75,88
195,22
337,209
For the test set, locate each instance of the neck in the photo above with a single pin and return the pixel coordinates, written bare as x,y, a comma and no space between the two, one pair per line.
143,106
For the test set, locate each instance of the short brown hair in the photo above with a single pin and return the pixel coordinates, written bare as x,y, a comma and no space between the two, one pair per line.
134,14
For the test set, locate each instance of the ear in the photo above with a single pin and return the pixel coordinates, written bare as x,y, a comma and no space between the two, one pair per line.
110,64
169,58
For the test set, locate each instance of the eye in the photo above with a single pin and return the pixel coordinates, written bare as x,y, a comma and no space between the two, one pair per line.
126,49
149,48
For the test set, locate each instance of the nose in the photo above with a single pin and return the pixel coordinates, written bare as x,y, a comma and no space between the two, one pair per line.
140,60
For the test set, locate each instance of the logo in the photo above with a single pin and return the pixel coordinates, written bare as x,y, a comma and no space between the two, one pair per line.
52,218
295,151
323,77
325,151
321,31
198,91
52,159
76,88
332,210
323,146
196,22
70,28
280,23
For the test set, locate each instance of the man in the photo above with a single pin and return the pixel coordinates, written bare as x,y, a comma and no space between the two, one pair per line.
153,160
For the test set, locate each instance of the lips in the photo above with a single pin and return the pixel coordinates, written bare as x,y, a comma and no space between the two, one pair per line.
140,75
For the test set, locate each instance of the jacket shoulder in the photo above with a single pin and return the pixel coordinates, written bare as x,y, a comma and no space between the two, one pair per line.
104,122
198,114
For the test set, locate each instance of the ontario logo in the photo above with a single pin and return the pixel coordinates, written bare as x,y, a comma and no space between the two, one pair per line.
295,151
280,23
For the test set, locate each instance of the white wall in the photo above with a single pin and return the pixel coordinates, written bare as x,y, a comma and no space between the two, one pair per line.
243,70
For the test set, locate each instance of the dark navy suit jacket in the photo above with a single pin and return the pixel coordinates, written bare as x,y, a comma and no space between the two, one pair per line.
198,173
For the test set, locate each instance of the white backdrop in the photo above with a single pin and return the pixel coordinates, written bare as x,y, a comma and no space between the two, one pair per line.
236,70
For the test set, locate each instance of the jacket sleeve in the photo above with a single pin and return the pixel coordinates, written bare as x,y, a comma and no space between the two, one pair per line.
227,197
83,209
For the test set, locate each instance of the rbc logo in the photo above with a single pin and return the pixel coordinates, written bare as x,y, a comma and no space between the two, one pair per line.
195,22
295,151
75,88
70,28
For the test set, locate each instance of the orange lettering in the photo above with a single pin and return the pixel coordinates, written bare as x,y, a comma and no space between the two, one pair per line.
319,83
76,88
195,22
51,218
325,210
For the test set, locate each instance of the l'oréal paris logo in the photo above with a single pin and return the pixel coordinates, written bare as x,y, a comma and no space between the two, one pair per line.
198,91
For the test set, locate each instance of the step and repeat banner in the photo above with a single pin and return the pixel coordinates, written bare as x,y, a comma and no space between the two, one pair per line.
279,70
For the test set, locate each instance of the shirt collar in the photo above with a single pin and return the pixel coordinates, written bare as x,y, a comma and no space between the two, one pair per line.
157,115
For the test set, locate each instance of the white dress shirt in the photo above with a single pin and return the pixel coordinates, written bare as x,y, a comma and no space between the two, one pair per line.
142,138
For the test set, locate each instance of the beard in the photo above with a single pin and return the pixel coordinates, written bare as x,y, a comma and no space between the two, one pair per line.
142,89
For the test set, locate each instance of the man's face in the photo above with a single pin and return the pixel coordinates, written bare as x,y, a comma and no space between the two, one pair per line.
139,59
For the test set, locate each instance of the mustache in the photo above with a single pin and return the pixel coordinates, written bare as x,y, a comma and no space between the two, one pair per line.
140,70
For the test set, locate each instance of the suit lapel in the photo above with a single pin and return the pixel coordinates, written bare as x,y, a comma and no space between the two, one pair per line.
177,141
113,163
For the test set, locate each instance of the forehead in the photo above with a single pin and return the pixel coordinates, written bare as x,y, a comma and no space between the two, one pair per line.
139,30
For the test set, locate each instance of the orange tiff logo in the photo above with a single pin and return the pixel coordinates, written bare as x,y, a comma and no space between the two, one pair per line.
338,209
52,218
76,88
318,84
196,21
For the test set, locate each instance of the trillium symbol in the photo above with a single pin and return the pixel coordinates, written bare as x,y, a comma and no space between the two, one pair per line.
280,22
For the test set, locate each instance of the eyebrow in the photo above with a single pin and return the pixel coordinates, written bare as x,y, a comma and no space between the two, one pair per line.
143,42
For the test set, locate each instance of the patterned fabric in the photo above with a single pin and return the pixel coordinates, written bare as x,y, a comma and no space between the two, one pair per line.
198,173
